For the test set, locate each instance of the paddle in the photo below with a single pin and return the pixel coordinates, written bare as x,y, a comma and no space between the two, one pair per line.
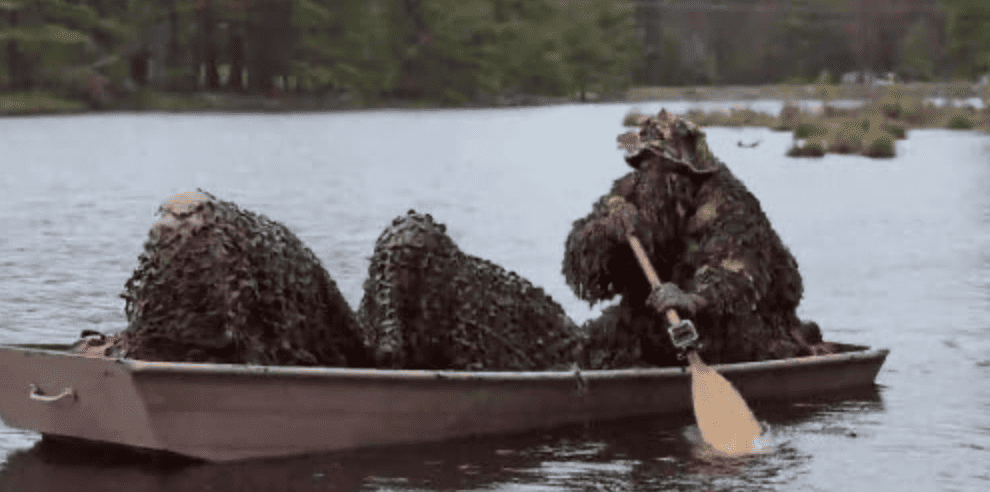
724,419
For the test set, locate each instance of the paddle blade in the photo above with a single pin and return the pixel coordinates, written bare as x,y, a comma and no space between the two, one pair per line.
725,421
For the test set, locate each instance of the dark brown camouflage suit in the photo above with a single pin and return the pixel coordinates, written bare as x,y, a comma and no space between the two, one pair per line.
219,284
428,305
706,233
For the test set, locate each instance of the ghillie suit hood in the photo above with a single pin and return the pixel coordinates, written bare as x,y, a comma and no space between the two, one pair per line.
703,231
428,305
220,284
675,141
671,159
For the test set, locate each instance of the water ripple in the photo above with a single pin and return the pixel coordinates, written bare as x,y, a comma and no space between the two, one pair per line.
892,254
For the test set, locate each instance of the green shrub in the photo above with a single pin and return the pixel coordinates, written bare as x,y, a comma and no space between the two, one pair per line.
848,140
890,103
879,144
960,123
896,131
811,148
892,110
806,130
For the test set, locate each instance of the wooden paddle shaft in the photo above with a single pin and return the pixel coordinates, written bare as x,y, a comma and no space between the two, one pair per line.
725,421
651,274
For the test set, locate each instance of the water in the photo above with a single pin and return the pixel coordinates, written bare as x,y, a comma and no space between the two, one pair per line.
892,254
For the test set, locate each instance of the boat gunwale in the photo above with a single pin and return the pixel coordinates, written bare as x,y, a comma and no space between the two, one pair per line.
139,367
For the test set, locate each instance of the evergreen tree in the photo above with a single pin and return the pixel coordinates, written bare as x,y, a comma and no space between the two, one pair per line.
916,60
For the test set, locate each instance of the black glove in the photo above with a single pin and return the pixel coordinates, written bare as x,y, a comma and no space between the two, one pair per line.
669,296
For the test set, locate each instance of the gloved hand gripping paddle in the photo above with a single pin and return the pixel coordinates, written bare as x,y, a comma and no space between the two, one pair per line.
682,332
726,423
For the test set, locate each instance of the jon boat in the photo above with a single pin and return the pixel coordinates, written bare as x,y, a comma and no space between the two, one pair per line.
226,412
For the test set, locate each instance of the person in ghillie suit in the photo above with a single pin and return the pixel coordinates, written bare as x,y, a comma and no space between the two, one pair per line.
721,263
223,285
428,305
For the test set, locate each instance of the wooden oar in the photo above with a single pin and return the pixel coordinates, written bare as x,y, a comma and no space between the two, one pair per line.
725,421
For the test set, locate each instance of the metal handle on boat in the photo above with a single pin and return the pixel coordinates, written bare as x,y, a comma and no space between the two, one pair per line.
37,395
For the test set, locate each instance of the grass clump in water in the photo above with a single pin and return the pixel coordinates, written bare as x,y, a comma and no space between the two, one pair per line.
848,139
735,117
878,144
896,131
960,122
809,148
808,130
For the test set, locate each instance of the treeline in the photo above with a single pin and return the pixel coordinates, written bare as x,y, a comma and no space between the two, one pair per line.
474,51
448,51
774,41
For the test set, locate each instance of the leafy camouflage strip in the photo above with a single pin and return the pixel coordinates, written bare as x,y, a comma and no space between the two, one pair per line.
427,304
219,284
708,234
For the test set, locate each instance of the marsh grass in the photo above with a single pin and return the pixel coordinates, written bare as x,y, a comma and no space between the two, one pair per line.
878,143
828,92
959,122
809,148
735,117
26,103
872,129
808,130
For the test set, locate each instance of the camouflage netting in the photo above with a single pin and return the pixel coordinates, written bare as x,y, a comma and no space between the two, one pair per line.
706,233
220,284
427,305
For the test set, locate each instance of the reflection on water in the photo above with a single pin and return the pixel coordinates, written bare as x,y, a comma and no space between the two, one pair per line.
892,252
640,453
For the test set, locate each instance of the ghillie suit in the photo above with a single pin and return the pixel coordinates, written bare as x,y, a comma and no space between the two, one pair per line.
428,305
220,284
707,236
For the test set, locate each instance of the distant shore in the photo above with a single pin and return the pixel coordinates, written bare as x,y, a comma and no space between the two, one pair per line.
40,103
951,90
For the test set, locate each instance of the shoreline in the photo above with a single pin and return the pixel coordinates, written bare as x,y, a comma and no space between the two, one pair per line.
46,104
42,104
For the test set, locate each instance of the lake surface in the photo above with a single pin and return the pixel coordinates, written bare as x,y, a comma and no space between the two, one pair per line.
892,253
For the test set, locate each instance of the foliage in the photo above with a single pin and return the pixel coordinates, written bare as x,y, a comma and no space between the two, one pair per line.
916,60
807,130
878,144
449,51
969,40
896,131
599,45
960,122
848,139
735,117
810,148
35,102
45,39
